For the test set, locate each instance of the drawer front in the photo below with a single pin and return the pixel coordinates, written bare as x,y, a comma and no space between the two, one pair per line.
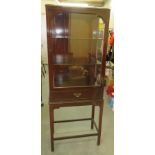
76,94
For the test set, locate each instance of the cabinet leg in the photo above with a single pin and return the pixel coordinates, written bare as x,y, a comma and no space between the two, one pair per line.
100,123
51,111
92,116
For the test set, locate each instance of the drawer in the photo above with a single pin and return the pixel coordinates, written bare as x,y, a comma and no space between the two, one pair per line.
76,94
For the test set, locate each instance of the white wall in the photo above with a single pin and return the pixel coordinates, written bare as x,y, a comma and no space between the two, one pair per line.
43,2
43,39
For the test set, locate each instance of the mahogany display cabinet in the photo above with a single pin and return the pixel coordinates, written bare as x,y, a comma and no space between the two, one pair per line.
77,44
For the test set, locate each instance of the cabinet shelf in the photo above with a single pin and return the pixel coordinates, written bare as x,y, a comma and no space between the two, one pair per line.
68,61
77,38
76,64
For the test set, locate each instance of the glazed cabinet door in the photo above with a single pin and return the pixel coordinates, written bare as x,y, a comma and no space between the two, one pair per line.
75,49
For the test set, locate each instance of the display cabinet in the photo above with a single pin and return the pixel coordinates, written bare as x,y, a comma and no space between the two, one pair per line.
77,45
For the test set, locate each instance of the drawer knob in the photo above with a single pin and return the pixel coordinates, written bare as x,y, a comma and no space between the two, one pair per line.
77,94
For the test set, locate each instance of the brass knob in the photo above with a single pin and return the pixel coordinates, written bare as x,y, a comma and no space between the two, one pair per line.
77,94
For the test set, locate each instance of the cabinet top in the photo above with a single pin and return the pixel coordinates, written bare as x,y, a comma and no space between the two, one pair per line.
76,9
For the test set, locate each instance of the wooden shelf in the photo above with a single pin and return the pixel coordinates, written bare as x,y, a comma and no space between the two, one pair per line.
77,38
76,64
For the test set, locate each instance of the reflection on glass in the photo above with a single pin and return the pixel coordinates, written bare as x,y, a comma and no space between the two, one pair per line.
60,25
59,31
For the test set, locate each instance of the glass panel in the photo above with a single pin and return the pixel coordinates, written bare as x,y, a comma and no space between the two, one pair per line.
78,49
86,26
79,52
60,26
66,76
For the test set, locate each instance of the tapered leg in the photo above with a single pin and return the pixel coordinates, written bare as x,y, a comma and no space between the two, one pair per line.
92,116
100,123
51,111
